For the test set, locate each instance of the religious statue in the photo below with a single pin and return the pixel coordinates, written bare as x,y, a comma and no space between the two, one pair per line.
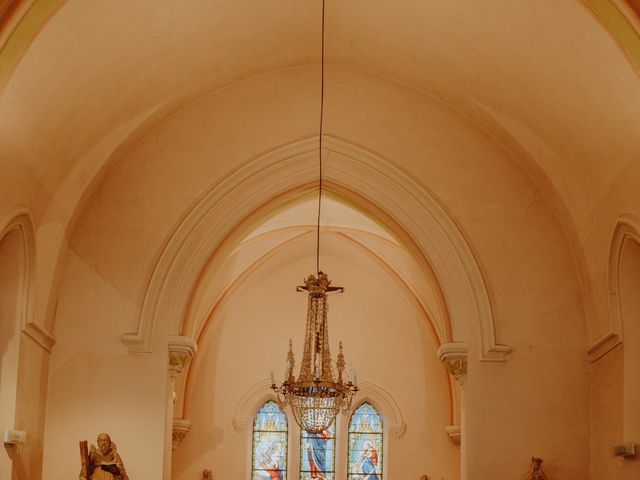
207,474
102,462
536,470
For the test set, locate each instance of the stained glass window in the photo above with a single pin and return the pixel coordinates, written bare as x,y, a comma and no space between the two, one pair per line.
270,433
317,455
365,444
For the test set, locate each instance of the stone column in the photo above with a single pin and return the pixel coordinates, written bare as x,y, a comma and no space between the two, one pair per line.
181,349
454,357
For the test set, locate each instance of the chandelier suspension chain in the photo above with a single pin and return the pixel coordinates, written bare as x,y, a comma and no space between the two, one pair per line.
319,392
320,144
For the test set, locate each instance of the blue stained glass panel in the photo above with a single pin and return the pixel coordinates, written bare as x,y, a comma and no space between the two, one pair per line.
270,433
317,455
365,444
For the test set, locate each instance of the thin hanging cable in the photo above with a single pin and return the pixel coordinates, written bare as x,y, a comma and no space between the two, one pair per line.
320,146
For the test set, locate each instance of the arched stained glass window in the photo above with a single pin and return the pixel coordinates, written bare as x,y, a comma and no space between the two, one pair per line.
318,454
270,434
365,444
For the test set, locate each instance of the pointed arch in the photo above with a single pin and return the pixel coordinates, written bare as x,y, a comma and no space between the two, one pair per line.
19,220
627,229
233,204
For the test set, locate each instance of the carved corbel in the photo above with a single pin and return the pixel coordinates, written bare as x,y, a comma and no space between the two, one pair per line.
397,429
181,349
454,356
180,429
454,432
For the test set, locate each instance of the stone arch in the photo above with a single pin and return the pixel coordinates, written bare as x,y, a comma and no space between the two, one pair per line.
18,222
386,405
230,206
627,230
16,289
250,403
624,303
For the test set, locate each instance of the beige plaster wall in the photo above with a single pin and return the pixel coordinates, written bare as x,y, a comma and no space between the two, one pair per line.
537,402
96,386
31,406
623,197
385,338
607,415
629,276
11,251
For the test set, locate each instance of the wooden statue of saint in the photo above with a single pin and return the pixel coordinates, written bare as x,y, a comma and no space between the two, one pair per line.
536,470
102,462
207,474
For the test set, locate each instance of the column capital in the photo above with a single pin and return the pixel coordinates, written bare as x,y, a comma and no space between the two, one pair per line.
454,355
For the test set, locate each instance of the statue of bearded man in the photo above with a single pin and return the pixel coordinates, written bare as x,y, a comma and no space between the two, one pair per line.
104,462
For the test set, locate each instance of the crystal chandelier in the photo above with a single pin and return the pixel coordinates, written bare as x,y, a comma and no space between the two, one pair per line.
320,391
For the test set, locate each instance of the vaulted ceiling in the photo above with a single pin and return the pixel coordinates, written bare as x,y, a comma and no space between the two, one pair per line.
552,84
96,73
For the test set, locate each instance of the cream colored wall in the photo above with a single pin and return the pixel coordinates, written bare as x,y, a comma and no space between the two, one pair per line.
385,338
615,393
11,254
607,415
31,408
536,403
96,386
629,275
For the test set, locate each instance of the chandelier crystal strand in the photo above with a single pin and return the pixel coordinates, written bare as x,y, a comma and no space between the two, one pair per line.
319,392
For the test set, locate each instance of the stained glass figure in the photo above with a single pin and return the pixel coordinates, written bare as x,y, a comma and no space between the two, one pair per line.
365,444
270,432
317,454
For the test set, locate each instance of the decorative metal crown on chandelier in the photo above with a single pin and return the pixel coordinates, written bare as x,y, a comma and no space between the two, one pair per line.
319,392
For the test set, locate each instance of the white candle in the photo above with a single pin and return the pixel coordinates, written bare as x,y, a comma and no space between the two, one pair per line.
273,378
